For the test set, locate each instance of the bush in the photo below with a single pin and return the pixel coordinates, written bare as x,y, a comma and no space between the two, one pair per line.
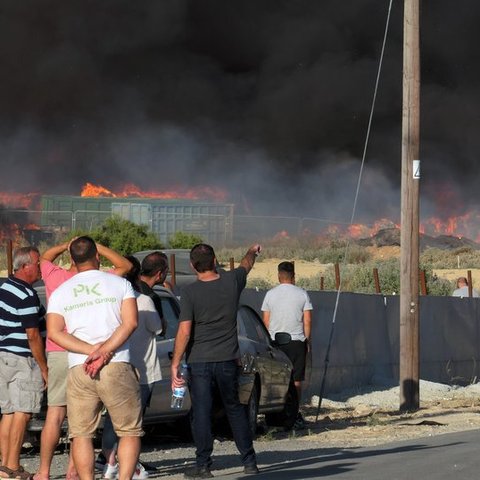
184,240
125,237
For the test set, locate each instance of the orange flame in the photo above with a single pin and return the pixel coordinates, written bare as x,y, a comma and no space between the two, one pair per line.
131,190
18,200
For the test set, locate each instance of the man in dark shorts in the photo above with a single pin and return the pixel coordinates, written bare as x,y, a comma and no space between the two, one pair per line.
207,332
287,308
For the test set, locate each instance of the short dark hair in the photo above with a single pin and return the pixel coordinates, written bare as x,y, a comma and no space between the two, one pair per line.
287,268
153,263
83,249
132,275
202,257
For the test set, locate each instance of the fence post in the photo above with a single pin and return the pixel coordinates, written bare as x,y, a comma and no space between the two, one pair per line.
470,286
337,276
232,263
322,286
377,280
423,282
10,257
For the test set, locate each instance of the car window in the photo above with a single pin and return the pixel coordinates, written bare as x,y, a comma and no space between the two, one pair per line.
170,313
251,327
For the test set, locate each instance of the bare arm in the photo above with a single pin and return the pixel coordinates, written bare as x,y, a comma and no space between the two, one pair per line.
53,253
266,319
35,343
121,264
181,342
58,334
307,324
102,355
248,260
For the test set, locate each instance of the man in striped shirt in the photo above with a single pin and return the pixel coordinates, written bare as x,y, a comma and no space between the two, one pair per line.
23,365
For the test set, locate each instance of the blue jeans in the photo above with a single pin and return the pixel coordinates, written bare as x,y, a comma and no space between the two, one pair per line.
204,376
109,437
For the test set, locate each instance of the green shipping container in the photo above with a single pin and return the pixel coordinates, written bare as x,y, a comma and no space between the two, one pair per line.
213,222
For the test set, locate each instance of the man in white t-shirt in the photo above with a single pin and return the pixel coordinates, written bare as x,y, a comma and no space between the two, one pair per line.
99,312
462,289
287,308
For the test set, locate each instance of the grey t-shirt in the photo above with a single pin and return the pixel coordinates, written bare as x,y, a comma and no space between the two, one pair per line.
212,308
286,304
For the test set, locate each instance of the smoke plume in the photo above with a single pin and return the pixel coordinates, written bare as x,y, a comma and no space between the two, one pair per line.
267,99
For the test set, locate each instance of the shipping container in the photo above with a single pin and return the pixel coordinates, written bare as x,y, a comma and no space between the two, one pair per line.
211,221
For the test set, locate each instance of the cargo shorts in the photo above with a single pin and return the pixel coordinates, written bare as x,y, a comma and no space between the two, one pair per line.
21,384
57,378
116,387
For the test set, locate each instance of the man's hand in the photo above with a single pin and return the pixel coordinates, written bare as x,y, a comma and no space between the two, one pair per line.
45,376
96,360
177,379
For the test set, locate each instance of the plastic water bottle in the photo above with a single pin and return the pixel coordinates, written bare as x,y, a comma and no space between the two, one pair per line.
178,393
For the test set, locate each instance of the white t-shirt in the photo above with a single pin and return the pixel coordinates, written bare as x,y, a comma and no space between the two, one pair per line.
90,302
286,304
143,343
463,292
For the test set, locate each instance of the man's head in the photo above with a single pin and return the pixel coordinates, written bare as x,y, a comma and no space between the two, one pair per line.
84,252
202,258
154,268
462,282
286,272
26,264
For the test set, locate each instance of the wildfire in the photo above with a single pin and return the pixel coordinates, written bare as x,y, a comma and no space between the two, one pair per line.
18,200
131,190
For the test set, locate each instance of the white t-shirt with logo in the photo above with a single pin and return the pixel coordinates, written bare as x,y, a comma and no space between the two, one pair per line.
90,302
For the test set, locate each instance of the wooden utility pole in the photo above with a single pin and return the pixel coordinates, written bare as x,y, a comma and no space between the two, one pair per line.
409,237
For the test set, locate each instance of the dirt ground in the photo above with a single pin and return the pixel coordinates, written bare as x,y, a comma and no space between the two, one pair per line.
366,426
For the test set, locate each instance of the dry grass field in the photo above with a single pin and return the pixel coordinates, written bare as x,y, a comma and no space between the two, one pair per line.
266,268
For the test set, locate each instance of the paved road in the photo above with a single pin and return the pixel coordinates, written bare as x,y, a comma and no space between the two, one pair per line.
451,456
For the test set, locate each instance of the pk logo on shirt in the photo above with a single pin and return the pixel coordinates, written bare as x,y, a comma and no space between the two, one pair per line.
86,289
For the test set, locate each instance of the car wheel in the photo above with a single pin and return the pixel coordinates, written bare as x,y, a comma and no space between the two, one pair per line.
285,418
252,410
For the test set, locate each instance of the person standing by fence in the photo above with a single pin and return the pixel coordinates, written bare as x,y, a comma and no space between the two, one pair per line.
287,308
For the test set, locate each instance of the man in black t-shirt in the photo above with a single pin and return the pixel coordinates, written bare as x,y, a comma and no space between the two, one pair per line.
153,272
207,333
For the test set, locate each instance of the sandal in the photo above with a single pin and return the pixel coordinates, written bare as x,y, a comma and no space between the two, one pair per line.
20,474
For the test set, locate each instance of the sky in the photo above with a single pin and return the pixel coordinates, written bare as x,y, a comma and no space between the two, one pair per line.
267,100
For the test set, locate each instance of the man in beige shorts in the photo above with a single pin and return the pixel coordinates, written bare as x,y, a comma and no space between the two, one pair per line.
53,276
99,312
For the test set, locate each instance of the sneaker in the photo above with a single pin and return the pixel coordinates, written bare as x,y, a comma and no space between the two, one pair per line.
251,469
100,462
110,471
299,422
140,472
198,472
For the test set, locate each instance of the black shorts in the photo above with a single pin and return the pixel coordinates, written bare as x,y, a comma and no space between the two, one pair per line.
296,351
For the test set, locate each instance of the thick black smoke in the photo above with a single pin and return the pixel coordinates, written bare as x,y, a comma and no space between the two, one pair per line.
268,99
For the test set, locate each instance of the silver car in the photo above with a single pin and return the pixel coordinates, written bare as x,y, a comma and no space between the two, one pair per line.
266,384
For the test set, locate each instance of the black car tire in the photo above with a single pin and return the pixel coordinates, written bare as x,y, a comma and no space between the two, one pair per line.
285,418
252,410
